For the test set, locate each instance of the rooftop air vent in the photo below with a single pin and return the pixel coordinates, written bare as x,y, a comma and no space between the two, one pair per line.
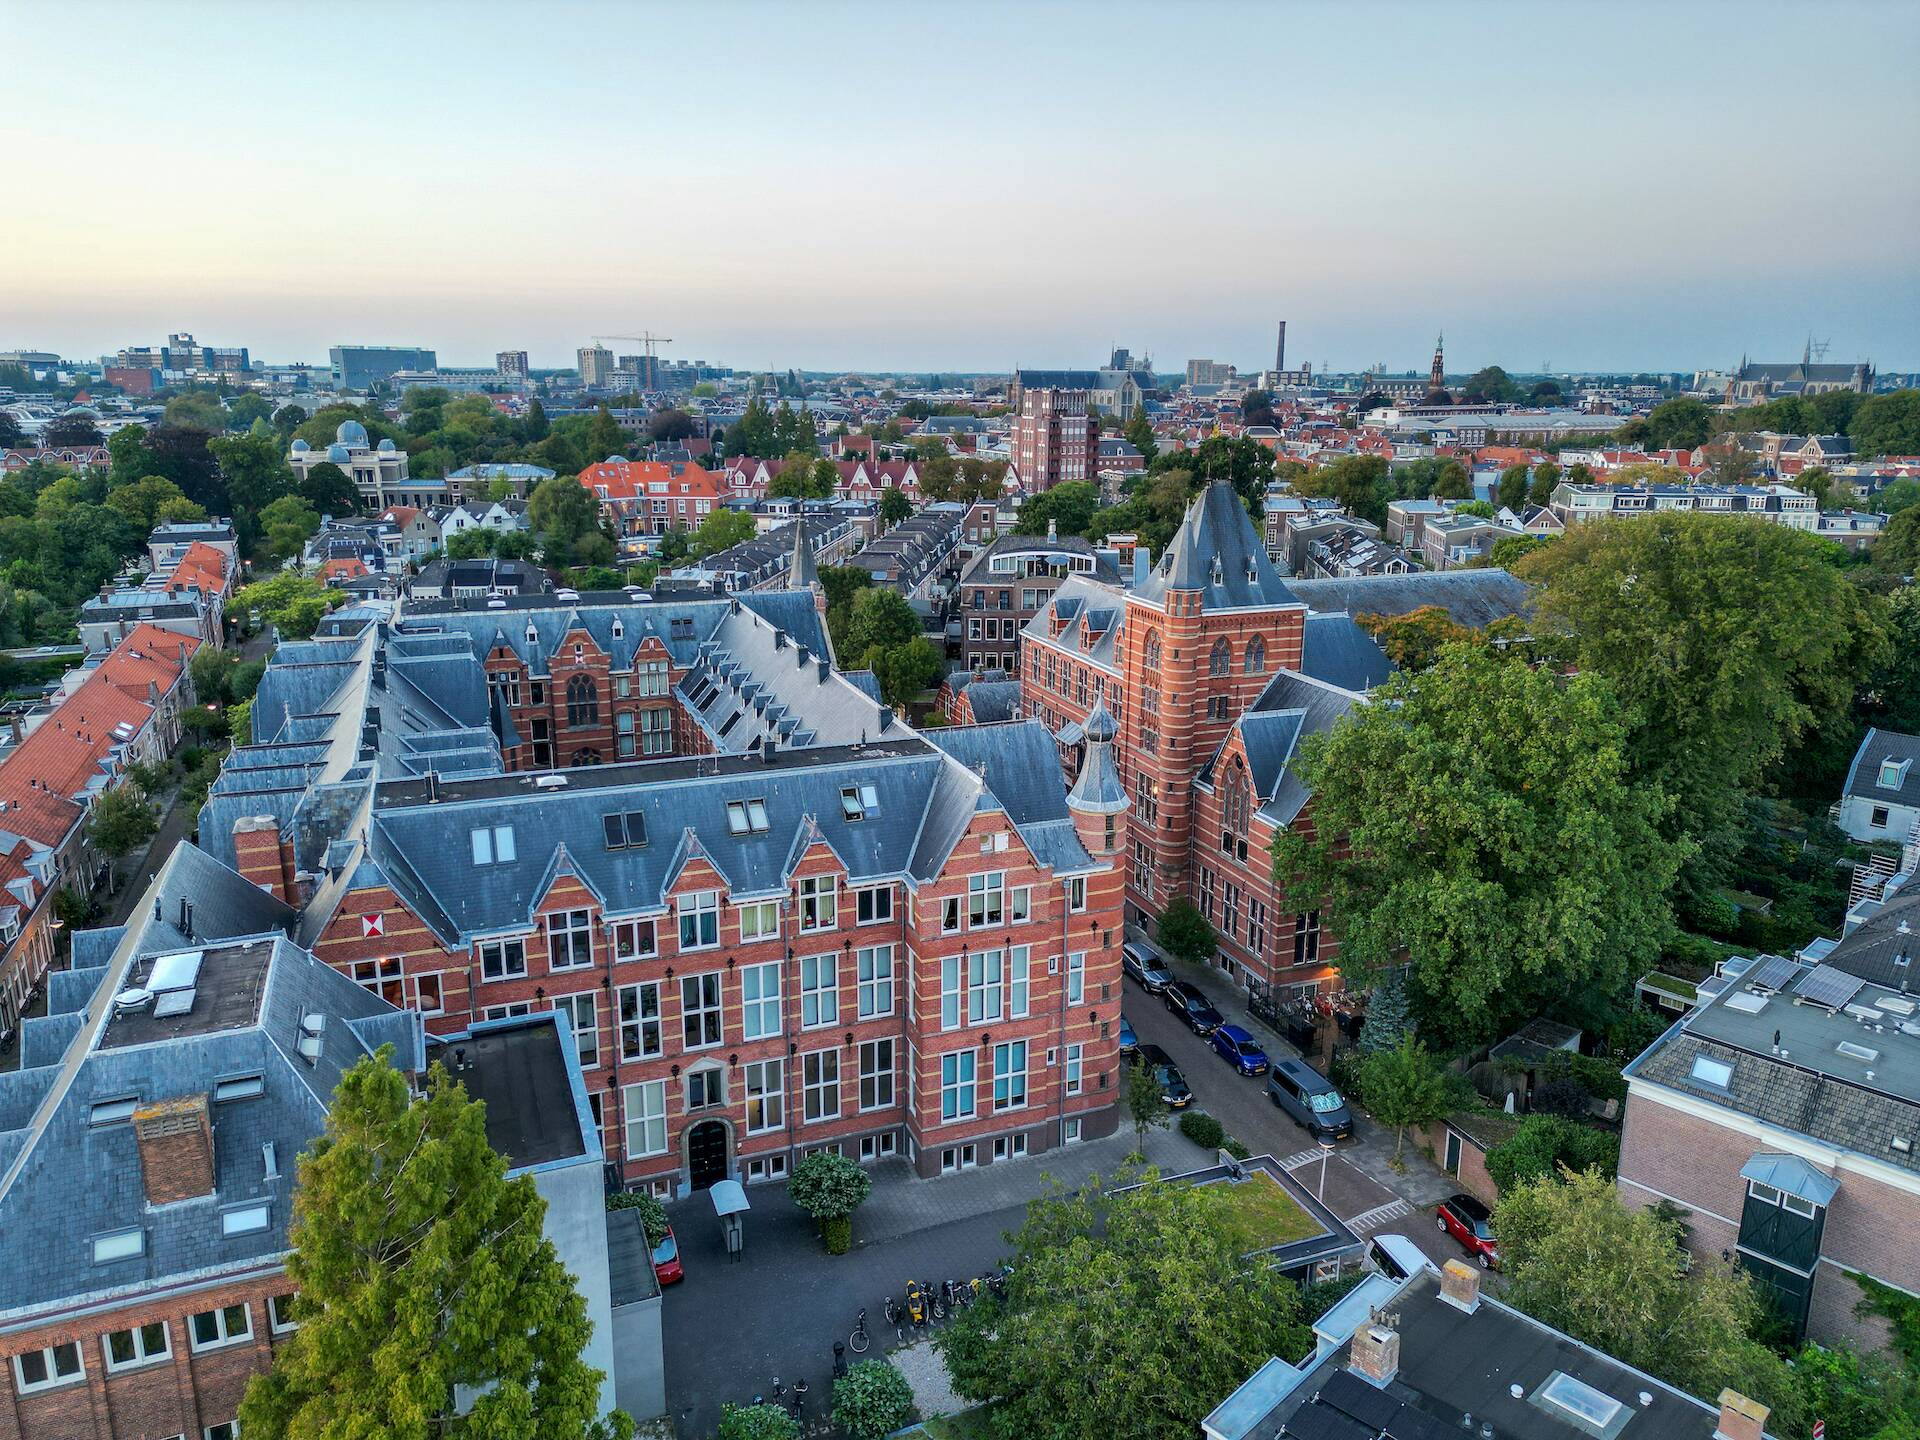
549,782
128,1002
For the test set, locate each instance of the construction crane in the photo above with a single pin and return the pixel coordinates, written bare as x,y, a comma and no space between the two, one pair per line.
646,338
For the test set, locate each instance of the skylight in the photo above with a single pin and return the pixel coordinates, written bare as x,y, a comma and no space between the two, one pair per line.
121,1245
1709,1071
858,801
625,832
1575,1400
746,817
245,1220
493,845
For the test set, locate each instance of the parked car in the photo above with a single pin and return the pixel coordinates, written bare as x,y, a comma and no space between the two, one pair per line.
1174,1089
1240,1050
1129,1042
1470,1222
666,1260
1309,1097
1190,1003
1146,966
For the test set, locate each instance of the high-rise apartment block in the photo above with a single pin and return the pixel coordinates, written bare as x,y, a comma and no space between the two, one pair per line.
512,363
1053,438
596,366
360,367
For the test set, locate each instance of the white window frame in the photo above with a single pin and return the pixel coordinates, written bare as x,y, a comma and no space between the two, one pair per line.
714,1008
760,1011
763,1085
986,898
1075,1068
498,954
222,1322
879,1075
1076,894
819,903
626,940
817,1085
873,974
586,1041
699,911
50,1356
137,1338
1076,977
644,1104
1006,1076
280,1319
819,990
986,986
637,1025
873,905
566,930
959,1086
764,916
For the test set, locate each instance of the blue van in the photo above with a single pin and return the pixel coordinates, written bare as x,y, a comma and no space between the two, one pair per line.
1309,1097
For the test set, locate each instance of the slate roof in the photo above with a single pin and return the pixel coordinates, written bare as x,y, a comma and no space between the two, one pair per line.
1877,747
420,840
1336,650
1813,1089
754,681
49,1218
1217,552
1292,707
1454,1364
993,700
1471,597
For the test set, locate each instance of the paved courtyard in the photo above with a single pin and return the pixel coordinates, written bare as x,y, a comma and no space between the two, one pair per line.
731,1328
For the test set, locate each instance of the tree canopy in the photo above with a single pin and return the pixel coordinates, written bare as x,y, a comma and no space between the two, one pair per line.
721,530
1165,1317
423,1273
1069,506
1478,821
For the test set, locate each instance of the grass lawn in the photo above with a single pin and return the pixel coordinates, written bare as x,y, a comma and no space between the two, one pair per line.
967,1425
1258,1214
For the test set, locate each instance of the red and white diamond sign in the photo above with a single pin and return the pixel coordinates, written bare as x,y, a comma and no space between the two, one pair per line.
372,925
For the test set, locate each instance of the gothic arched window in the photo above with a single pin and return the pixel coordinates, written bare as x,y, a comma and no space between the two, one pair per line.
583,701
582,758
1220,662
1238,806
1151,650
1256,656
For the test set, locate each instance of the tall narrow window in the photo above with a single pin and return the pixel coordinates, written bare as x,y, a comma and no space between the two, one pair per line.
583,701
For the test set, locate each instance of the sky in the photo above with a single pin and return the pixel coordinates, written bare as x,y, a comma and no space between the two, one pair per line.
970,187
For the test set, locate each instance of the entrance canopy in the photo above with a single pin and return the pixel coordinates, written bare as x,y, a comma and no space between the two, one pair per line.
729,1198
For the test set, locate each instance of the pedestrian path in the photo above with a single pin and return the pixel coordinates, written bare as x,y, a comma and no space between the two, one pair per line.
1300,1158
1380,1214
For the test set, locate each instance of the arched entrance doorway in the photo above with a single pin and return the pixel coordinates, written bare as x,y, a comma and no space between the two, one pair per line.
707,1154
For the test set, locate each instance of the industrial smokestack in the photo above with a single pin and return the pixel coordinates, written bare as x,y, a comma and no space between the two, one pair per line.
1280,349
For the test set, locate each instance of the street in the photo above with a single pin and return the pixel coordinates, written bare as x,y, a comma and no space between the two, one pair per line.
1356,1181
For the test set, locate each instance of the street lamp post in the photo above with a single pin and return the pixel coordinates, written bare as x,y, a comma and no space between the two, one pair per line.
1326,1149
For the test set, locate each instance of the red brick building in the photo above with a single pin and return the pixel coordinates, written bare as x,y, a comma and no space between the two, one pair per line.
1215,671
1054,438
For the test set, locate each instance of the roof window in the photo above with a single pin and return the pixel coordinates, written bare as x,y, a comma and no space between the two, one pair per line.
113,1112
120,1245
625,831
858,801
1893,774
746,817
245,1219
239,1087
1709,1071
493,845
1574,1400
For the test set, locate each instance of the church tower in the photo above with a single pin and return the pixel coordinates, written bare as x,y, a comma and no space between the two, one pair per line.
1438,376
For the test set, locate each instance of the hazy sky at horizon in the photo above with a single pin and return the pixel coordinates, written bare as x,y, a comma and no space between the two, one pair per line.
1619,185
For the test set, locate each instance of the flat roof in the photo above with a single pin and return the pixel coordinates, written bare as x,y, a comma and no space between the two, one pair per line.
519,1072
1874,1018
225,995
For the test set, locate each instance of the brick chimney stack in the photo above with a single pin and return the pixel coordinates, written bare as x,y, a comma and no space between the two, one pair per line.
1375,1354
176,1149
1740,1418
1460,1285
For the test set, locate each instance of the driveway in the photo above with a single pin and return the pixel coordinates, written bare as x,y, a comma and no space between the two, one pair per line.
1356,1181
731,1327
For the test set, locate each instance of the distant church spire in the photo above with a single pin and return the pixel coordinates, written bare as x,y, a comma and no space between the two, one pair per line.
1439,372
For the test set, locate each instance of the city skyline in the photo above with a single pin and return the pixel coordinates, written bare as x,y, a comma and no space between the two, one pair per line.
1616,193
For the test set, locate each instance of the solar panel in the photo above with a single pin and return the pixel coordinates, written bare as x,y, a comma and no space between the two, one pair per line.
1826,985
1770,972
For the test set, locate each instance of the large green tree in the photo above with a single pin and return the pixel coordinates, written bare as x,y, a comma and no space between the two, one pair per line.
1726,639
1359,482
1888,424
121,821
328,489
423,1272
1618,1280
1678,424
1069,506
254,467
1405,1086
721,530
880,619
1478,822
565,515
1164,1316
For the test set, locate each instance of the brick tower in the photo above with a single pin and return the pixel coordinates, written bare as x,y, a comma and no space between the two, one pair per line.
1205,630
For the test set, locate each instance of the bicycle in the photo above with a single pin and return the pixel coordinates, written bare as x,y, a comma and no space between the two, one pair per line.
893,1313
935,1303
799,1396
857,1341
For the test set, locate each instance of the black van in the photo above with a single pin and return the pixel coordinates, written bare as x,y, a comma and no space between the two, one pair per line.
1309,1097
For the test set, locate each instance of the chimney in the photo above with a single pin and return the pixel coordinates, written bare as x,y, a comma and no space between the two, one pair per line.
176,1150
1375,1354
1460,1285
1740,1418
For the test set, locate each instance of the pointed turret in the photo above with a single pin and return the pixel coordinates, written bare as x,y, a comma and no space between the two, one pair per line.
802,575
1098,800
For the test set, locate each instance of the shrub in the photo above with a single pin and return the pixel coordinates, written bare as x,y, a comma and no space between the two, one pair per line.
1202,1129
1234,1148
837,1231
756,1422
830,1187
1544,1143
653,1215
873,1399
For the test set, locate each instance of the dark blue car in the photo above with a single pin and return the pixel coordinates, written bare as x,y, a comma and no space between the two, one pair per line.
1240,1050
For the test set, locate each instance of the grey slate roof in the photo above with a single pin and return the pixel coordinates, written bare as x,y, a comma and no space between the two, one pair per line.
1216,551
993,700
1336,650
77,1180
1292,707
1472,597
1877,747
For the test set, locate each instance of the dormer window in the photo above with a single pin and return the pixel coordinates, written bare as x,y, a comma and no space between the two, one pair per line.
1893,774
618,629
533,635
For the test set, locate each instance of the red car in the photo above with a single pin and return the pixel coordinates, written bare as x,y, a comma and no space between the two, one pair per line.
1469,1222
666,1260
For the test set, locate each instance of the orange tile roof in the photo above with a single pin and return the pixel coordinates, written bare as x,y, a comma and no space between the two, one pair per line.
628,479
67,750
203,568
347,569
